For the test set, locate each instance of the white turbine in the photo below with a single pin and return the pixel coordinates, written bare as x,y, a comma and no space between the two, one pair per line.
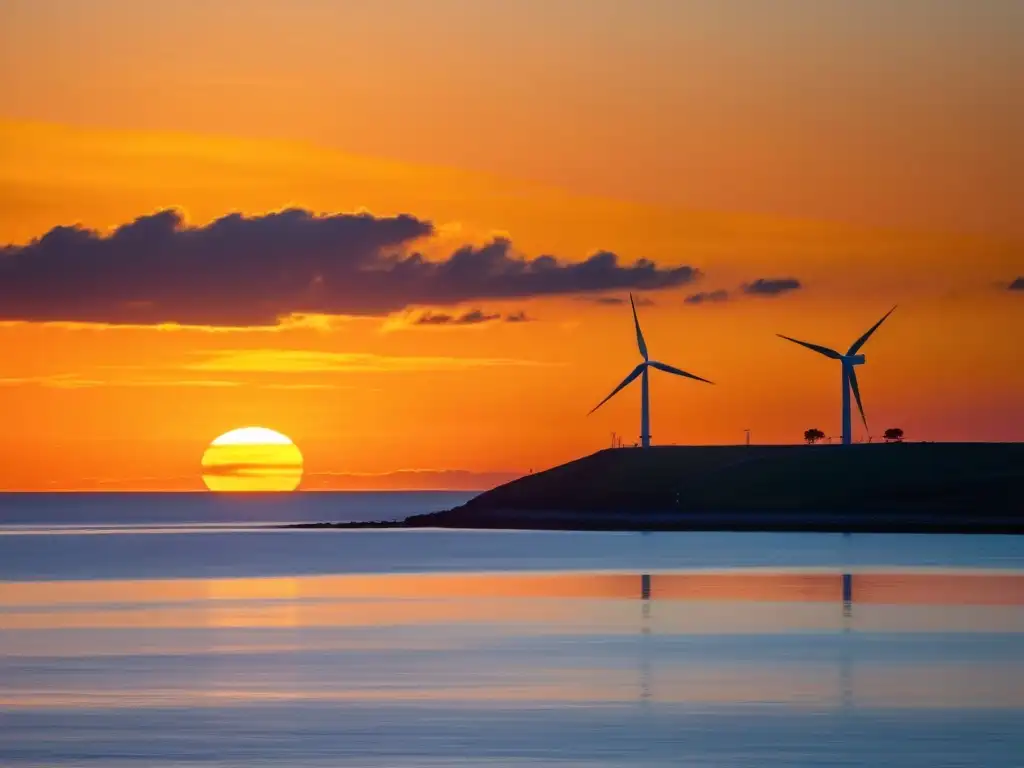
641,370
849,361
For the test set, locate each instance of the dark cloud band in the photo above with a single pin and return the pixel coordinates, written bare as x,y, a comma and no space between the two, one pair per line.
614,301
470,317
772,286
251,271
705,297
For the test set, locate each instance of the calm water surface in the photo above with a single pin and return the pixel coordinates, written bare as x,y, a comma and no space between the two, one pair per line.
158,639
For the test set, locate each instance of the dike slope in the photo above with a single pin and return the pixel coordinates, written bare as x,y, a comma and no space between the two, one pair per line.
912,487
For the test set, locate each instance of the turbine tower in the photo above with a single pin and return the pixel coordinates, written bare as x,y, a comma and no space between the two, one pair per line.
850,360
641,370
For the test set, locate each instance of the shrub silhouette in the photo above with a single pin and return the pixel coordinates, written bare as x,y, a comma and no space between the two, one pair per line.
813,435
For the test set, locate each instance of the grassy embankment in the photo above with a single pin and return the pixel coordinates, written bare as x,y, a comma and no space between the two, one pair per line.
910,486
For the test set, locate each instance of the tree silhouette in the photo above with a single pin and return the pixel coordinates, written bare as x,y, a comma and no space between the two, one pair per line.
893,435
813,435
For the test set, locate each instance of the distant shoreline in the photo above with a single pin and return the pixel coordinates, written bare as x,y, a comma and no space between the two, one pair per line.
879,488
752,523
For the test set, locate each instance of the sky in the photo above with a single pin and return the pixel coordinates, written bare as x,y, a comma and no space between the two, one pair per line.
404,233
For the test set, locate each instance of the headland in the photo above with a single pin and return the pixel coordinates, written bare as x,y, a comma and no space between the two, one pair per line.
898,487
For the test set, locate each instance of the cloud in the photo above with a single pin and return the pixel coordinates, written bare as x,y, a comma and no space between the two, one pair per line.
705,297
251,469
640,301
173,383
408,479
1016,285
401,479
292,322
307,386
242,271
54,381
472,317
772,286
76,381
310,361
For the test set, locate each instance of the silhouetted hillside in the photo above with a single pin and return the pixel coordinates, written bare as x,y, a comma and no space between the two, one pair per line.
908,486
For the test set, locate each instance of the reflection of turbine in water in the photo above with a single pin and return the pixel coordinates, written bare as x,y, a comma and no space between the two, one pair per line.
845,661
645,633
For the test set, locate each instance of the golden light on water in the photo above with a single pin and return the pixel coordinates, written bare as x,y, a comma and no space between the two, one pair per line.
252,459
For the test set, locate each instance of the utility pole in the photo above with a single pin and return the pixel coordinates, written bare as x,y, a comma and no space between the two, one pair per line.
748,435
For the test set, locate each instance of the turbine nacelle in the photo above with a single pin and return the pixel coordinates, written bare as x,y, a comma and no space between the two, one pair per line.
854,359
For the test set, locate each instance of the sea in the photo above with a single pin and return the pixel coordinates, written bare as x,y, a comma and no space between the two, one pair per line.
160,630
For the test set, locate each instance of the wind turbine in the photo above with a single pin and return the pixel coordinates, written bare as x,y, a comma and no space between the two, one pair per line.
641,370
849,361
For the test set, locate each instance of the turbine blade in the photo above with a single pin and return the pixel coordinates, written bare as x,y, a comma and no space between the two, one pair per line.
639,334
856,395
855,347
636,372
816,347
677,372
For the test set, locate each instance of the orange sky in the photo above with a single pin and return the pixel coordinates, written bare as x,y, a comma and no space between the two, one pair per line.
868,149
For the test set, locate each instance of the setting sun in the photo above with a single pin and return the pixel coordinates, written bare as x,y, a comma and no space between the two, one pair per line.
252,459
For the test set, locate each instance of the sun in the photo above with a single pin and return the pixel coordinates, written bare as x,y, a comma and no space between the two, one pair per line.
252,459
